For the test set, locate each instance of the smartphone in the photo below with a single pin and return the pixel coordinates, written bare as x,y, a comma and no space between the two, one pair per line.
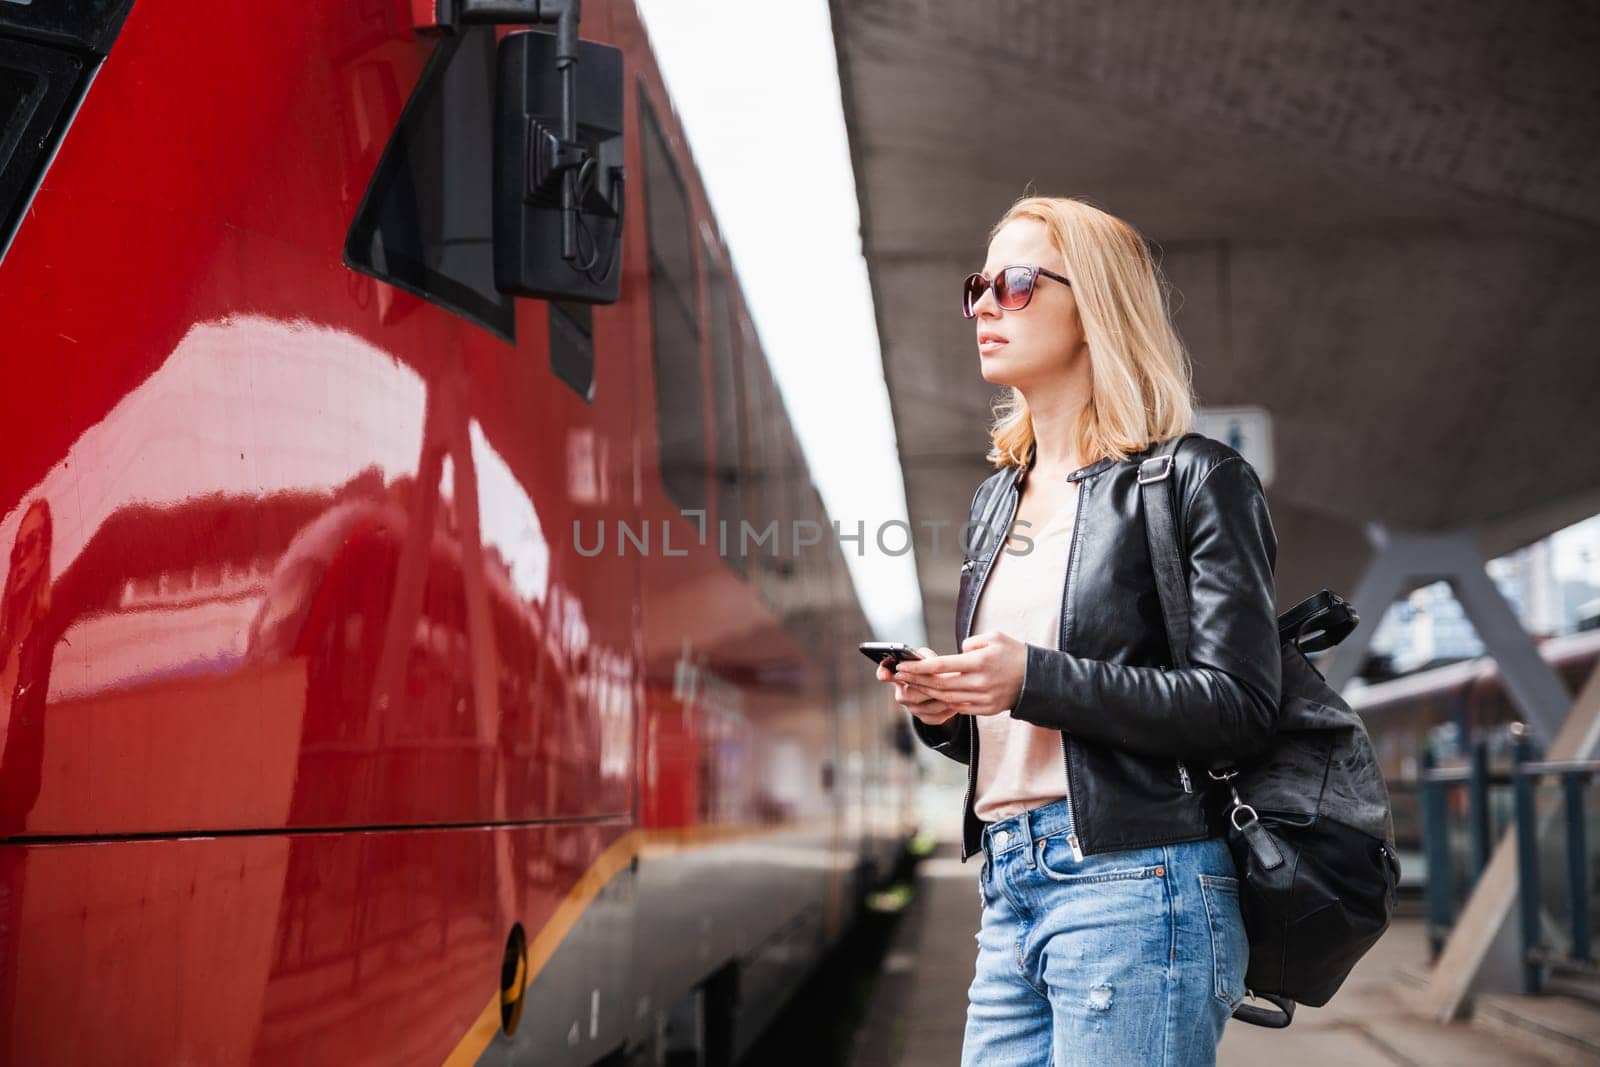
890,652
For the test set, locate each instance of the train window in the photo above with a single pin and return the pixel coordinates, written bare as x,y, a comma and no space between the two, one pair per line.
794,497
426,222
778,559
753,371
726,398
572,345
680,400
37,87
81,25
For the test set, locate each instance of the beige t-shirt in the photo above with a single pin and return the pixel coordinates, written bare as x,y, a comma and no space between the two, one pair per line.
1020,765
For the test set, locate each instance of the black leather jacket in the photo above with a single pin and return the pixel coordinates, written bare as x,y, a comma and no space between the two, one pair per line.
1137,734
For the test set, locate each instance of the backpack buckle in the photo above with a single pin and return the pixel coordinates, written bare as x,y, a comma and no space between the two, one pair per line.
1148,467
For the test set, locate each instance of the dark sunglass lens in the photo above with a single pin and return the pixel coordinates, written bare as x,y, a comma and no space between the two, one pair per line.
1013,287
971,293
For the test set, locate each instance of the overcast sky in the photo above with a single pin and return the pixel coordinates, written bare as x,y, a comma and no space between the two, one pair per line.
759,97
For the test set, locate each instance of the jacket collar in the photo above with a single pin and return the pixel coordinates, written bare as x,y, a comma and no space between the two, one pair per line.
1019,473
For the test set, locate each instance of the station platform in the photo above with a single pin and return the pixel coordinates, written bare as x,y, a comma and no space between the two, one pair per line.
917,1011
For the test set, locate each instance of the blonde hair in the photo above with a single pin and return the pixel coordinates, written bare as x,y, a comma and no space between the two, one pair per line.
1142,387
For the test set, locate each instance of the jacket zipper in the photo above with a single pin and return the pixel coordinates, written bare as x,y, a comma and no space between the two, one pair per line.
1183,772
1061,635
972,722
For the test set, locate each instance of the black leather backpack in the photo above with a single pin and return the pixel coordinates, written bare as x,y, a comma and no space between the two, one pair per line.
1310,827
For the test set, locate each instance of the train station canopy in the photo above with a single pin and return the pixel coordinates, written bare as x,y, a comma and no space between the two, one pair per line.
1380,224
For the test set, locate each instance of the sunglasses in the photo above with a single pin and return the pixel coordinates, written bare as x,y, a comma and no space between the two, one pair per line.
1013,288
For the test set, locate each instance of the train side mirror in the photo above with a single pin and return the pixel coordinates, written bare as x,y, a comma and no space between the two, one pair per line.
558,175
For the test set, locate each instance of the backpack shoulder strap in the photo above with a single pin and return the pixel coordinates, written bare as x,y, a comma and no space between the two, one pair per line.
1161,532
1158,490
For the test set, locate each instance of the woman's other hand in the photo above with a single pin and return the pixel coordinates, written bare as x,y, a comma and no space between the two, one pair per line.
915,700
984,678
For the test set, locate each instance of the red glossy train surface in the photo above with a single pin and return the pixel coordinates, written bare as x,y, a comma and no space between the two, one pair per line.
329,737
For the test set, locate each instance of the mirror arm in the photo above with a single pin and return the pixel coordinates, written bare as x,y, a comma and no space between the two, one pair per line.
447,15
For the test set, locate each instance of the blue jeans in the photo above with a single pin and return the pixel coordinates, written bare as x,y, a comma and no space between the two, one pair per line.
1134,957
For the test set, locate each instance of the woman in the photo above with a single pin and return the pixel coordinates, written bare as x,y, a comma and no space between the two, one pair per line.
1110,930
26,648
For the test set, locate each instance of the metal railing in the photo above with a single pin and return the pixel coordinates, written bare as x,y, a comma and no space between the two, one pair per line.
1438,787
1485,793
1573,776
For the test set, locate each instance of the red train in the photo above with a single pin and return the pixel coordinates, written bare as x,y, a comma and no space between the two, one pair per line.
330,737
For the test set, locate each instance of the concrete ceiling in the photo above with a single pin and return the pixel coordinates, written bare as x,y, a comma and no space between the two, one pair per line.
1380,223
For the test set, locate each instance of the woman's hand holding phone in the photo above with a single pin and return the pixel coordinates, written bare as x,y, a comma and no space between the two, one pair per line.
915,699
984,678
